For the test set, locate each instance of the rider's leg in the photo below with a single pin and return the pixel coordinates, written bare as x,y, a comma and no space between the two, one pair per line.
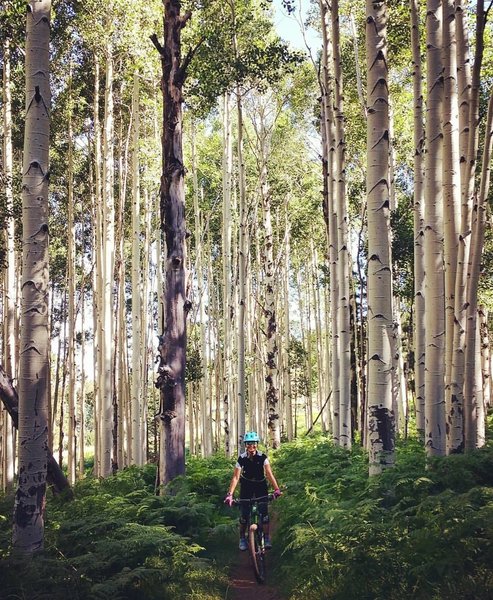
264,514
243,523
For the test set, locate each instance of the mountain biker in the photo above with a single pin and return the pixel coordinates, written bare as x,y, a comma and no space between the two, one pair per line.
251,471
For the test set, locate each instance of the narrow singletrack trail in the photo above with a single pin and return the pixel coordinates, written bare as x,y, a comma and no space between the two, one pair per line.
243,585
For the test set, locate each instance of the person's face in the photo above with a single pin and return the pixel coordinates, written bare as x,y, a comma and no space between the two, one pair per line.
251,447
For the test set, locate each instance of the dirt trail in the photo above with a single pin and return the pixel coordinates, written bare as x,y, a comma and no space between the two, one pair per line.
243,585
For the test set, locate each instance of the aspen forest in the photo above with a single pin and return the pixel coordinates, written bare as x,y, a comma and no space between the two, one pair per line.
231,216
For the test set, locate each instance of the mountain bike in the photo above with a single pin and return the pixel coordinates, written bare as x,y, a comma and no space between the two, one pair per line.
255,532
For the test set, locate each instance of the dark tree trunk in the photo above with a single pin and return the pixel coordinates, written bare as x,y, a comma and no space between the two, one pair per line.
10,399
171,378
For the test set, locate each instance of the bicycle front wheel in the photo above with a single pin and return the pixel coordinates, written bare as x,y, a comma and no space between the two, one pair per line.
256,553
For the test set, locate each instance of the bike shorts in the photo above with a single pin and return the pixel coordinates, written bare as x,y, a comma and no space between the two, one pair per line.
253,489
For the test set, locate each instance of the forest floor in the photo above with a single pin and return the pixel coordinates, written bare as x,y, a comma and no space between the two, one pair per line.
242,582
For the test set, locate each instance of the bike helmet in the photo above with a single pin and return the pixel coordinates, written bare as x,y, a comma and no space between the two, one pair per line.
251,436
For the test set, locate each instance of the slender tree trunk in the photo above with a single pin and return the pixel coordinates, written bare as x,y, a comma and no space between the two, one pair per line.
98,280
242,270
419,214
10,280
106,372
455,439
330,212
435,436
28,530
472,357
228,303
269,309
287,388
451,183
137,350
205,430
381,422
343,257
477,228
71,434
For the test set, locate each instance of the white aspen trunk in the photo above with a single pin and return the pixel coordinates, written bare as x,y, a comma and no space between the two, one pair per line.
28,528
108,261
435,435
10,280
329,147
451,183
147,331
328,361
359,83
381,422
228,301
455,439
318,336
71,437
480,397
269,309
419,214
472,381
242,270
452,217
136,397
485,354
98,274
204,414
400,387
286,335
343,257
82,397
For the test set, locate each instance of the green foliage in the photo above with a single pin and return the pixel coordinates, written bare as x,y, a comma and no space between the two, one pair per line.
117,539
421,532
414,532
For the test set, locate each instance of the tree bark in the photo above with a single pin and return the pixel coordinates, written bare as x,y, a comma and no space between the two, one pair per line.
381,420
28,530
435,435
172,348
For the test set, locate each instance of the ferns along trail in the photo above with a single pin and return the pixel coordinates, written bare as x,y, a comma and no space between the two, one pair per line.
413,532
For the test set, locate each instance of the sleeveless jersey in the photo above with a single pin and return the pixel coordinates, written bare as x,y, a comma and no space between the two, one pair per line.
252,469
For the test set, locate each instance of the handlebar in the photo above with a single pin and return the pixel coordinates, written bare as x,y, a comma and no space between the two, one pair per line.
268,498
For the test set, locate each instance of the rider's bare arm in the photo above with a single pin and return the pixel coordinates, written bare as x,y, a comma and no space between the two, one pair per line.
234,480
270,477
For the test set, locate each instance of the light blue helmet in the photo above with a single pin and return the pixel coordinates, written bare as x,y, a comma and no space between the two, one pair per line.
251,436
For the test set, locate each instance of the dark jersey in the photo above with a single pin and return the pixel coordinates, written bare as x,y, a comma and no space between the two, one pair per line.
252,469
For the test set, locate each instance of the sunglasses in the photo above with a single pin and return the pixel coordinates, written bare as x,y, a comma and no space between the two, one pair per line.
250,443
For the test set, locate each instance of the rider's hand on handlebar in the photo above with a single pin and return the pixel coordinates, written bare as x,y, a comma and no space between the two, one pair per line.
277,493
229,499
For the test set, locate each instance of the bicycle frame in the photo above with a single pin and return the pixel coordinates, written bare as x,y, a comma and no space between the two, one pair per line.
255,531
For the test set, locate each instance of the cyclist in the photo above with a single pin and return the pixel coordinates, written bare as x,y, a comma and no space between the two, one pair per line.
251,470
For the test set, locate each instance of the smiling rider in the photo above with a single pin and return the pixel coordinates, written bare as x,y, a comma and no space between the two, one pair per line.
252,471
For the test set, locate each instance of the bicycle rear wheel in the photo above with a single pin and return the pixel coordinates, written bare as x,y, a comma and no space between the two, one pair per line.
256,554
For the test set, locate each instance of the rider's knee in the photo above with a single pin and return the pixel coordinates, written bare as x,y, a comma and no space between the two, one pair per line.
265,519
243,520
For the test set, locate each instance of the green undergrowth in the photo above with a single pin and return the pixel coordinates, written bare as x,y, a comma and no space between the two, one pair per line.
118,540
413,532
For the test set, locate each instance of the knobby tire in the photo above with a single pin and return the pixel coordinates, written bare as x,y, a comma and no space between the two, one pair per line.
256,555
